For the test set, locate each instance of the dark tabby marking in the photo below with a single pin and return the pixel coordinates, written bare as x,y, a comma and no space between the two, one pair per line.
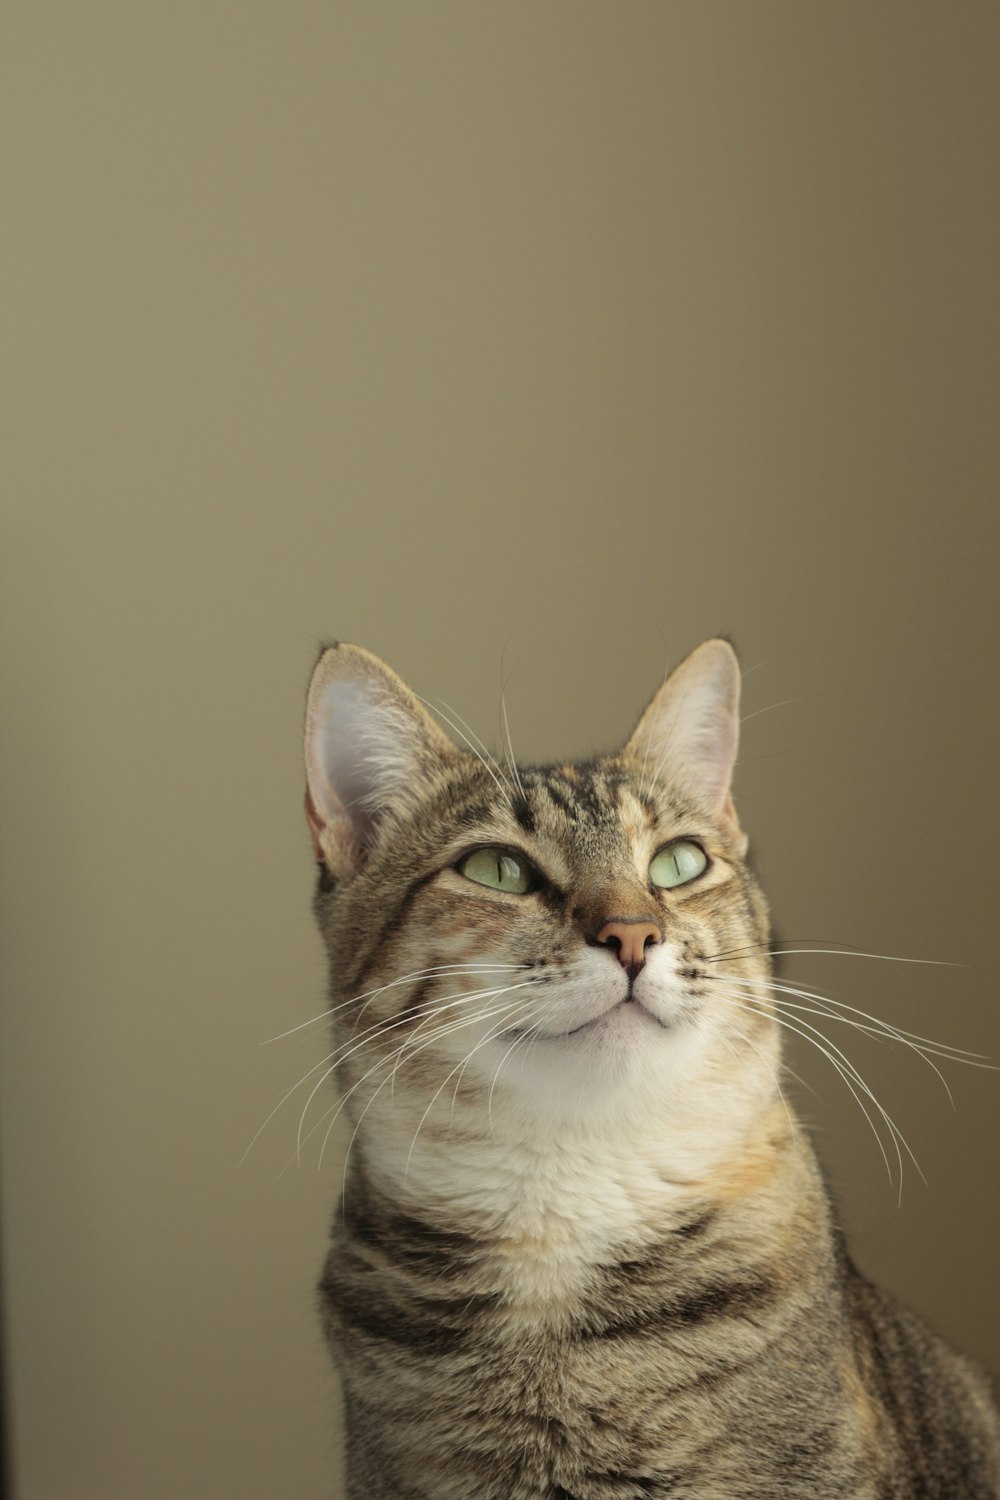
585,1252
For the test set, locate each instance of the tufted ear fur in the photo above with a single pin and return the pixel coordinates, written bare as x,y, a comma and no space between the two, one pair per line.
690,732
369,743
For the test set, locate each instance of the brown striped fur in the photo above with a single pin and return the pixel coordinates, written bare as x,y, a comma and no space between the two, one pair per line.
584,1251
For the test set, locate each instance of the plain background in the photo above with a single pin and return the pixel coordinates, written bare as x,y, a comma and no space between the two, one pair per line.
559,335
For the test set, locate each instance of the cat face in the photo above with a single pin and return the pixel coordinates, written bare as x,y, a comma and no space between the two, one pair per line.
540,939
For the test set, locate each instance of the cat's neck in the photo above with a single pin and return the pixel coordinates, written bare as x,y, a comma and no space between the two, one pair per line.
597,1180
545,1210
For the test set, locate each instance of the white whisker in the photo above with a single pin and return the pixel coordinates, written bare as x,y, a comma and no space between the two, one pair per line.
511,1012
381,1028
510,748
843,1065
491,994
769,708
382,1062
506,1011
482,754
748,949
417,974
781,1095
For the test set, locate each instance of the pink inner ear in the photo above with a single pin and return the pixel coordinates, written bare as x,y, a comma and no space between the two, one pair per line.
361,753
690,730
335,841
315,826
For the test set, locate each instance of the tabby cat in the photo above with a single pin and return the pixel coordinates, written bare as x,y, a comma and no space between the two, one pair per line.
584,1252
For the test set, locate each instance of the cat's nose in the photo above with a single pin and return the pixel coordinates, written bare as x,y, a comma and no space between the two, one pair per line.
629,940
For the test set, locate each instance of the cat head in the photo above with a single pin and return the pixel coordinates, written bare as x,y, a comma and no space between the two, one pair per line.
545,936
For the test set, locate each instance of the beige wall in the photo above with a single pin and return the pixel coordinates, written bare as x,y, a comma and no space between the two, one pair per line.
577,330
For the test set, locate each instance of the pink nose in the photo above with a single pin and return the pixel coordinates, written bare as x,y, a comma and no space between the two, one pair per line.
630,941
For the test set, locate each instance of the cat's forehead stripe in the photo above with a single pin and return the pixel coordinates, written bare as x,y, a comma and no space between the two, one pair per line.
599,793
523,813
591,791
599,807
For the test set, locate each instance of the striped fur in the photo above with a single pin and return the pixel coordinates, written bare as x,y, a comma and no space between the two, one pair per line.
584,1251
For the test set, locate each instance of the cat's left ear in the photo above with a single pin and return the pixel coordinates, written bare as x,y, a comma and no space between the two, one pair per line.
689,734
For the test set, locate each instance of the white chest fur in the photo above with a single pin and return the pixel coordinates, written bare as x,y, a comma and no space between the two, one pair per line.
550,1206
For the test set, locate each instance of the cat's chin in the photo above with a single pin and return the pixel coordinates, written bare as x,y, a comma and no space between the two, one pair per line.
624,1053
621,1019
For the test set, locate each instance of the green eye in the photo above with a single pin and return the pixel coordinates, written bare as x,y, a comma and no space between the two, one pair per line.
677,864
499,869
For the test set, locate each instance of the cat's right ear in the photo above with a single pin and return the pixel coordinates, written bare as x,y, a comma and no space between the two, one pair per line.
369,747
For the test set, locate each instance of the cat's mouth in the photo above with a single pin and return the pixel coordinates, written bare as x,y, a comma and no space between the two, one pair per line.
628,1008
